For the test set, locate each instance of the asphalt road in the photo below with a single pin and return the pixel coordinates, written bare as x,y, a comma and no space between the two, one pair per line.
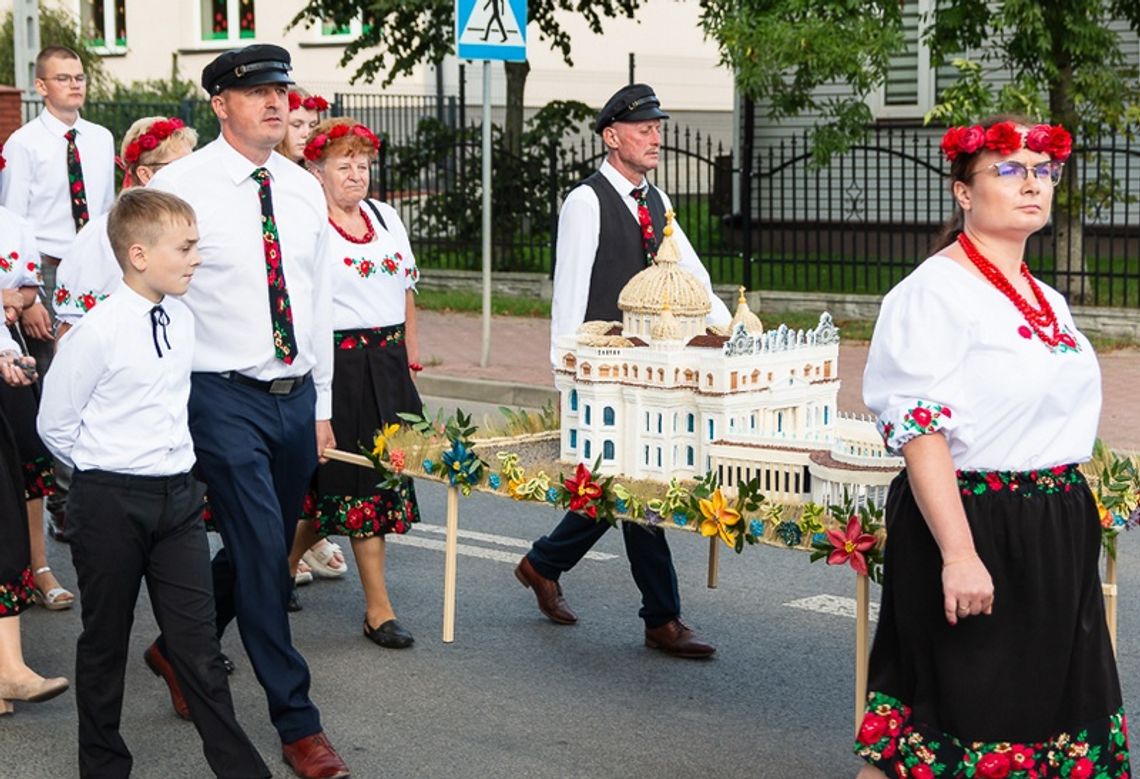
515,695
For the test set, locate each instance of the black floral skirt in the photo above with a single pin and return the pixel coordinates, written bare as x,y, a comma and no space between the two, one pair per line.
371,386
16,586
20,405
1030,691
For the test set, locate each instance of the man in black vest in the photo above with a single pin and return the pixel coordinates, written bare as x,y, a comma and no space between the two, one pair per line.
607,233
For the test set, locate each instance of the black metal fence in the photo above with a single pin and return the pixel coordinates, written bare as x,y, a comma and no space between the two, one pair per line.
766,217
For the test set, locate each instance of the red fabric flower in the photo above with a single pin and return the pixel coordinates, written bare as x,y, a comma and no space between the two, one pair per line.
873,728
355,519
1021,757
1003,138
921,771
161,129
1082,769
339,130
1053,140
294,101
148,142
582,490
921,415
314,147
962,140
994,765
133,151
850,546
315,103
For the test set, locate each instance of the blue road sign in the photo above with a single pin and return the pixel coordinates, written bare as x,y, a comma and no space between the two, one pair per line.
490,30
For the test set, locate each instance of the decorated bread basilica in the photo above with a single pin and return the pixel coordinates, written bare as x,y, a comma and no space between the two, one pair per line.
660,395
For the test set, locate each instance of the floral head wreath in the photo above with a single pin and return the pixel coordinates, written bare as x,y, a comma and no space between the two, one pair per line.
158,132
312,102
1005,138
2,161
315,149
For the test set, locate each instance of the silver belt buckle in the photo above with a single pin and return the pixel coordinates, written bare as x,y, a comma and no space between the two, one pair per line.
281,386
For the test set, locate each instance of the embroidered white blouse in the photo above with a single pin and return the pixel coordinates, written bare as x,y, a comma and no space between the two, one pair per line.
19,258
88,272
952,355
370,281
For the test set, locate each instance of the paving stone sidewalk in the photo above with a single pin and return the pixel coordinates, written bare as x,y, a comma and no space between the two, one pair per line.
450,348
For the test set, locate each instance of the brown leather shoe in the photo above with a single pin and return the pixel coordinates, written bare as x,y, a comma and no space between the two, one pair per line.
158,664
678,639
313,757
547,591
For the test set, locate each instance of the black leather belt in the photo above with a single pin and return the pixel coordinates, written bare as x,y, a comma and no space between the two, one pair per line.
275,387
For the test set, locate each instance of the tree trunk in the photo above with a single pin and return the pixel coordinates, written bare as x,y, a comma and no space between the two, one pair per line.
516,86
1068,235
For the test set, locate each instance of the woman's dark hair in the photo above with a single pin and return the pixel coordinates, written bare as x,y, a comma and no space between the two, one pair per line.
960,171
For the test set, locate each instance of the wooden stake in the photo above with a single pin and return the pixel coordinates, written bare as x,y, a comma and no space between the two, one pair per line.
862,643
348,457
1109,590
714,561
450,557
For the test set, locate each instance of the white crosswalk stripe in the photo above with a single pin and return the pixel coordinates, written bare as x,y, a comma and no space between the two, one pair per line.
834,605
475,551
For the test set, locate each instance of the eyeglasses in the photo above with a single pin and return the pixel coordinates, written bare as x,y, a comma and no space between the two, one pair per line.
66,78
1009,169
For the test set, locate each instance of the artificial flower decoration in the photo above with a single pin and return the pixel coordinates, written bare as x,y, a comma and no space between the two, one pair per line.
583,491
851,546
158,132
311,103
718,518
1005,138
315,149
381,440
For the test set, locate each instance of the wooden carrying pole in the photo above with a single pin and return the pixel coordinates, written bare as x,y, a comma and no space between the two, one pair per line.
1109,590
714,561
862,643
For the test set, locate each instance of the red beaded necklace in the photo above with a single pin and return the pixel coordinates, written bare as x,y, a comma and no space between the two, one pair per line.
1042,319
369,234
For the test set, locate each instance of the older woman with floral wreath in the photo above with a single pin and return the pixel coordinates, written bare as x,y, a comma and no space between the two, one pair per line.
992,657
374,277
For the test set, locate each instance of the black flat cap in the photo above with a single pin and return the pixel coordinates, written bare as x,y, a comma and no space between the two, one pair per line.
261,63
633,103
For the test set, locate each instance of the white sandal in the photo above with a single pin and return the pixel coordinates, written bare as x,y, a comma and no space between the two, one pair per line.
320,558
55,599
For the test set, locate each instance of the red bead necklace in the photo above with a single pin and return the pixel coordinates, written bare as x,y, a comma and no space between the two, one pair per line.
1042,319
369,234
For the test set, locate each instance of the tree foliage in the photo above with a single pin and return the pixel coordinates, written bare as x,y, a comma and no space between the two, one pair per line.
400,34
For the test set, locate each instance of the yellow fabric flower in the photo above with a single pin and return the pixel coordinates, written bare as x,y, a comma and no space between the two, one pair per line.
718,517
381,441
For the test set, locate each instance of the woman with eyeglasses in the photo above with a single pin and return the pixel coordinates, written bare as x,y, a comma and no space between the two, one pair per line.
992,657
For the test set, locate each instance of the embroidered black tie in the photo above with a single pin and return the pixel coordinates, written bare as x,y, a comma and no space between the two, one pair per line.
159,318
76,190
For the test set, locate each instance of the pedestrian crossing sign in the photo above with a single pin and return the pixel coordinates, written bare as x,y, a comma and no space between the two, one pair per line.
490,30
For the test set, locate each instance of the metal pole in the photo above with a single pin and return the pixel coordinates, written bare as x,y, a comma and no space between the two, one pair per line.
486,358
631,62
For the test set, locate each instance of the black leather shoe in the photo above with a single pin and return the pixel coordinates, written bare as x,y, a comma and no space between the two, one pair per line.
227,663
391,635
294,603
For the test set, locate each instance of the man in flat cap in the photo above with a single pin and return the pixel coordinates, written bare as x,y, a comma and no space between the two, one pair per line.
260,398
601,246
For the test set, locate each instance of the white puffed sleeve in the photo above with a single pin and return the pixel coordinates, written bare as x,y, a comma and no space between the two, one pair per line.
912,381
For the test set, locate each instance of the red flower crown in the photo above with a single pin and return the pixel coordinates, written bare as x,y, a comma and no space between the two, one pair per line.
2,160
1005,138
312,102
158,132
316,147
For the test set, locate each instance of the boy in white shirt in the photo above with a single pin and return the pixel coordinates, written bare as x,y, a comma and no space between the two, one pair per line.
114,407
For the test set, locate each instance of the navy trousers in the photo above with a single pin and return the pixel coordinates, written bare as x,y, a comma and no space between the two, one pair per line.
256,453
649,560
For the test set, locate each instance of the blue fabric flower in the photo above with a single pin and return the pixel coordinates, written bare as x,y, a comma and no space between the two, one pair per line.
494,481
621,506
679,519
819,538
428,466
552,495
756,528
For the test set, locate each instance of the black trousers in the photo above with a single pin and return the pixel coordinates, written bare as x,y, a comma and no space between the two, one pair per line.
649,560
124,529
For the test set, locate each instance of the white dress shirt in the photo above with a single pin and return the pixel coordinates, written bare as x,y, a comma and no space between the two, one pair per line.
110,402
370,281
88,272
230,294
35,183
19,257
952,355
579,223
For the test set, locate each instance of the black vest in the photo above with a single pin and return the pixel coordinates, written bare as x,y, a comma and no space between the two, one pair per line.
620,256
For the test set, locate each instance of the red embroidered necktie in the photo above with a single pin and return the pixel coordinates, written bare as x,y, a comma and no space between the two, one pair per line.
648,243
75,182
280,312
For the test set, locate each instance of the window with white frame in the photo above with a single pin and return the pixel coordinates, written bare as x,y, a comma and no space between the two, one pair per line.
103,23
908,91
227,20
